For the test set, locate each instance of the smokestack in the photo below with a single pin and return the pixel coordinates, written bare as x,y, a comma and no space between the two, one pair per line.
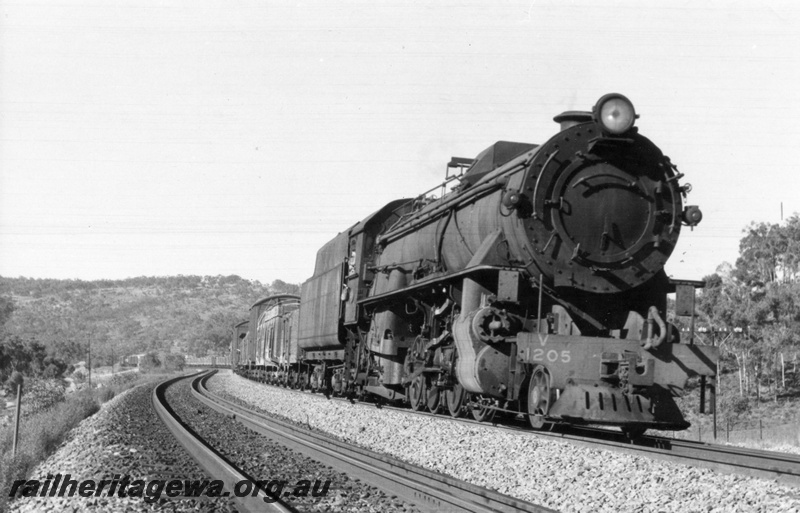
572,118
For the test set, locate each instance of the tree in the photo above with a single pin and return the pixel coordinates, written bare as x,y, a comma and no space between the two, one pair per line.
758,254
281,287
148,362
760,301
769,253
25,358
174,362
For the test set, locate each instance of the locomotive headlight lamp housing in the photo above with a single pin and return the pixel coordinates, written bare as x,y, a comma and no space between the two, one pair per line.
614,113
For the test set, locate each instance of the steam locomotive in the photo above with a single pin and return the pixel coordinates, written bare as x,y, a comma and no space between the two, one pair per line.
534,284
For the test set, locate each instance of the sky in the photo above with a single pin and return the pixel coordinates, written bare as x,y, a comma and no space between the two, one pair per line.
210,137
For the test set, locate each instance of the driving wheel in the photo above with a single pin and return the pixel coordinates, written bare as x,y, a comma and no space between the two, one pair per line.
539,398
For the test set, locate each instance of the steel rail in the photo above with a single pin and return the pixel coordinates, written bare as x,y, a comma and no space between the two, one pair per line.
428,490
207,457
782,467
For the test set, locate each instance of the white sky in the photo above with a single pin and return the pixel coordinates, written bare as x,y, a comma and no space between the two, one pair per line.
156,138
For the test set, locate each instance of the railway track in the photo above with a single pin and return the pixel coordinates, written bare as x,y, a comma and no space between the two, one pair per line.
208,458
781,467
429,491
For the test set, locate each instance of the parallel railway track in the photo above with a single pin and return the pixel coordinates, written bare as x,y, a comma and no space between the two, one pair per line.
782,467
208,458
430,491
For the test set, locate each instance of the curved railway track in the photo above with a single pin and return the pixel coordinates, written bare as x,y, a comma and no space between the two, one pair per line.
782,467
208,458
430,491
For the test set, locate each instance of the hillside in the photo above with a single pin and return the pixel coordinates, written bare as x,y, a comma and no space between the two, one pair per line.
190,314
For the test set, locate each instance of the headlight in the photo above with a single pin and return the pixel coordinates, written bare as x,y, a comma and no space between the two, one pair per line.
615,114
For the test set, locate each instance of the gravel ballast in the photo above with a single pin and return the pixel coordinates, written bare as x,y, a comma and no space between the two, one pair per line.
551,473
126,437
266,460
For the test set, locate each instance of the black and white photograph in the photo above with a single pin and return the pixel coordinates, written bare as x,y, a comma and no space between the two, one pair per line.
399,256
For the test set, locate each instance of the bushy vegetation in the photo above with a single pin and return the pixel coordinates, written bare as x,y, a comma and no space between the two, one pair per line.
44,324
161,362
46,422
101,321
752,312
41,394
20,358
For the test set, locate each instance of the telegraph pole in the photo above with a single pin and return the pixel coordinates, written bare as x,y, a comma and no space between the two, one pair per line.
18,411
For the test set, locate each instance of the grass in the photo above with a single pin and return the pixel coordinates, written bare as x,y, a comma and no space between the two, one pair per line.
772,424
